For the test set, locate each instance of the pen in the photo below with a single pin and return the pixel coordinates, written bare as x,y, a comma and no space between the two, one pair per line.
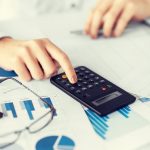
81,32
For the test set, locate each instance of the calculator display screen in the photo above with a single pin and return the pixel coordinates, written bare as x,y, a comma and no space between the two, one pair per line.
107,98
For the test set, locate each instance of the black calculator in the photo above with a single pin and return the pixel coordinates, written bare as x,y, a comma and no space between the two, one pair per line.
94,91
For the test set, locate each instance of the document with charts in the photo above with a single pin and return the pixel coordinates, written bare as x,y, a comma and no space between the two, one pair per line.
69,128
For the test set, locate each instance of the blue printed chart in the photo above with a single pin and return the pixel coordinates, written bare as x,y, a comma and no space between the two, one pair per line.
55,143
9,107
116,124
145,101
4,73
26,105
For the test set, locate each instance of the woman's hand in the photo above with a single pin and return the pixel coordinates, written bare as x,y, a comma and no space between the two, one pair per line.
114,15
35,59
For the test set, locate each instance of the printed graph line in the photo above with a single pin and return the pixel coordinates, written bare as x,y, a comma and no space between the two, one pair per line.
125,111
144,99
100,124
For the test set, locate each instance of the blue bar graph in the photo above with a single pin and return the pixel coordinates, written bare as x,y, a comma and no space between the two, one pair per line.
28,105
125,111
48,100
9,107
99,123
144,99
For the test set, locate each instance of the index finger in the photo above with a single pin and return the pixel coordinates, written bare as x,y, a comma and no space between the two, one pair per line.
64,61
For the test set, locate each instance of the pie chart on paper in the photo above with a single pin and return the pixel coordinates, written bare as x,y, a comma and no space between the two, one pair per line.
55,143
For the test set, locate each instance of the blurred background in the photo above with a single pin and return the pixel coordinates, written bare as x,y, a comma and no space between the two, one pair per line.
11,9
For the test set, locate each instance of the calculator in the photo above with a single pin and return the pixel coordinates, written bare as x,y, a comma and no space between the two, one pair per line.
94,91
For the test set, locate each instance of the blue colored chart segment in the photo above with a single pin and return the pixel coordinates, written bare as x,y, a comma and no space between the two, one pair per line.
49,101
4,73
55,143
28,106
116,124
46,99
6,107
99,123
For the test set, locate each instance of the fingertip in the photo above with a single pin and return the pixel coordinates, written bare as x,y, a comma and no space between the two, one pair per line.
73,79
106,35
117,33
86,29
94,37
26,78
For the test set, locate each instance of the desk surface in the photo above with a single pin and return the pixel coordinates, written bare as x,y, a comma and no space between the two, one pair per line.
124,60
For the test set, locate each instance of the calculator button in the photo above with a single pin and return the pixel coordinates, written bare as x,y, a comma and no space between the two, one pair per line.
86,77
85,82
79,84
91,81
109,86
78,92
80,80
90,86
64,76
67,85
58,79
104,88
84,89
96,83
72,88
91,75
102,81
82,68
97,78
63,81
81,74
87,71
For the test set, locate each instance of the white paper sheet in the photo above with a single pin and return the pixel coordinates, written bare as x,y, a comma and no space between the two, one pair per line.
70,119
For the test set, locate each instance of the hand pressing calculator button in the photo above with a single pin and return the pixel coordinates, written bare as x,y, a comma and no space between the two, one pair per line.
94,91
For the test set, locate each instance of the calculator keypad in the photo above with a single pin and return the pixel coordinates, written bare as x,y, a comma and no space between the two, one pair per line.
88,82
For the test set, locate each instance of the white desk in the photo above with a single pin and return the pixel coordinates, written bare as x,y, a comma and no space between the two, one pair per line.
119,60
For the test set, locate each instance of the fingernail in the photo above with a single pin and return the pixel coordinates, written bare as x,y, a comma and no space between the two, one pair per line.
74,79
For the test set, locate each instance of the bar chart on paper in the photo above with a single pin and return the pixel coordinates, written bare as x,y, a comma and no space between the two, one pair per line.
116,124
9,106
145,100
27,106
